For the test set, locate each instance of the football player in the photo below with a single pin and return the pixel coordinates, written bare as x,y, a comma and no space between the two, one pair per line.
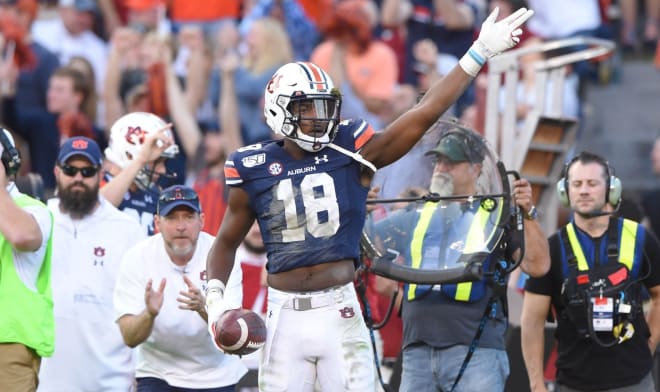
308,194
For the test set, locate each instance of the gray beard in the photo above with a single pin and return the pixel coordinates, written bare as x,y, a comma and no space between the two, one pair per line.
442,184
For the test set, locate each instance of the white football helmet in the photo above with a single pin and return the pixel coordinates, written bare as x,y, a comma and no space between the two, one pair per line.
127,136
302,82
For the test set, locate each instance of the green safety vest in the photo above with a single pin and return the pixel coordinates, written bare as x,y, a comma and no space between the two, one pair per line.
476,241
26,316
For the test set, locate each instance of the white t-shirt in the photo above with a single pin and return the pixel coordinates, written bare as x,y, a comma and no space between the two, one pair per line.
179,349
90,354
549,23
52,34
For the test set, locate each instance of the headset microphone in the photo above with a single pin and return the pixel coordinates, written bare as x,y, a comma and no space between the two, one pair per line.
596,214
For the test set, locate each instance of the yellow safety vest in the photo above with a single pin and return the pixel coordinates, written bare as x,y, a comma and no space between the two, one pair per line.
476,241
627,242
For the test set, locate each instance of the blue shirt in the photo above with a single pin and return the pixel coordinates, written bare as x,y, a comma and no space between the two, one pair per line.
312,210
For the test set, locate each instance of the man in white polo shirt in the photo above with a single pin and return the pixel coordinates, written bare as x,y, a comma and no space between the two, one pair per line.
160,305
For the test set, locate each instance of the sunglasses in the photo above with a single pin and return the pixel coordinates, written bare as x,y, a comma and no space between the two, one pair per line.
178,194
87,172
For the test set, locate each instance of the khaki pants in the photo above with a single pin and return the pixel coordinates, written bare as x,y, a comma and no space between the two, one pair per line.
19,368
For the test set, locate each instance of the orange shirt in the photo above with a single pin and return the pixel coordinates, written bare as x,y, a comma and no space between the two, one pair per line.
204,10
212,198
373,74
314,9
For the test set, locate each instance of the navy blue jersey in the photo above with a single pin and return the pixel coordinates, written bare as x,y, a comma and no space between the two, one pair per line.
311,210
140,205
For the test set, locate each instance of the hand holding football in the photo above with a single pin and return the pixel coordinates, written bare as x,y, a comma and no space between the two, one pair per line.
240,332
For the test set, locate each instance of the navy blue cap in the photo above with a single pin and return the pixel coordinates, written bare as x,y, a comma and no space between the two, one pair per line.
82,146
175,196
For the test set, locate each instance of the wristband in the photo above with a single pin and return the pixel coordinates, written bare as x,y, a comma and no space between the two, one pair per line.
472,61
215,286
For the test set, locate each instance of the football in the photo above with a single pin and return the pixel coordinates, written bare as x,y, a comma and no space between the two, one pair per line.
240,332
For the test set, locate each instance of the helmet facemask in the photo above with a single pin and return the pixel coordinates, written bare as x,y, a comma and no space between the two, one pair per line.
147,176
311,120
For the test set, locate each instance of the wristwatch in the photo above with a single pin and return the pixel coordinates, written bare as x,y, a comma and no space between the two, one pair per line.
532,214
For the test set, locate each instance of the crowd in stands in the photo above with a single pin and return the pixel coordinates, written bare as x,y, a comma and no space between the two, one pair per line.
73,68
81,64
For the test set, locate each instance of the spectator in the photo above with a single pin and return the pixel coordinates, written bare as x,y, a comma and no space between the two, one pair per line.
477,308
584,20
31,120
89,105
364,69
159,303
268,49
629,24
209,15
209,182
450,24
89,238
150,85
67,91
71,35
599,266
146,16
25,267
300,29
312,251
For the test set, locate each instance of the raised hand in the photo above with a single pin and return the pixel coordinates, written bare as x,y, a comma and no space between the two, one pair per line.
494,38
156,143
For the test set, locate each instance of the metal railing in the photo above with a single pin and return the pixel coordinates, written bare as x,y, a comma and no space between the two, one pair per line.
505,136
501,129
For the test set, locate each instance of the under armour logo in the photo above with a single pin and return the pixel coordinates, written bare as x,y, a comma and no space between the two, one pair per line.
98,262
318,159
347,312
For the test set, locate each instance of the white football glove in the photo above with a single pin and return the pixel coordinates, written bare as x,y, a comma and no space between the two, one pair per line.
494,39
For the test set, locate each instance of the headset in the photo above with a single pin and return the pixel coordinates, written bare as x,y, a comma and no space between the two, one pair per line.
613,185
11,158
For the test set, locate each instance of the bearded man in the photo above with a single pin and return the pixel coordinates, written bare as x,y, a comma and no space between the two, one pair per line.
90,236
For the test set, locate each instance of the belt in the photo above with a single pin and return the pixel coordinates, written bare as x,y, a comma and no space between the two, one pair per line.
315,301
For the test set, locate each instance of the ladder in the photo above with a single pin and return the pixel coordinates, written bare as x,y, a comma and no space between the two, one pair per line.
538,148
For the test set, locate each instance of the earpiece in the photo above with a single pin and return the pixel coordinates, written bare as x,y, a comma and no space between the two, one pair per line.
11,158
614,187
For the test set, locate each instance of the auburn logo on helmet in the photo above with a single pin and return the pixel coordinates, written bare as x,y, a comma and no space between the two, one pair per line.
135,135
274,83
